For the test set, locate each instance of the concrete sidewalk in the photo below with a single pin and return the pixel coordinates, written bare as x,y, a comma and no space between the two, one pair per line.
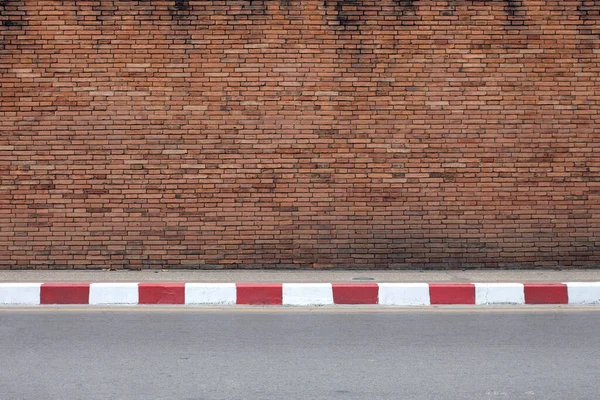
274,276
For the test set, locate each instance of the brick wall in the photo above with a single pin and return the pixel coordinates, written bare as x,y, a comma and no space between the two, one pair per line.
287,133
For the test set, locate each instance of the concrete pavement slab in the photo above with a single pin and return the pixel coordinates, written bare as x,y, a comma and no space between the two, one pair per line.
279,276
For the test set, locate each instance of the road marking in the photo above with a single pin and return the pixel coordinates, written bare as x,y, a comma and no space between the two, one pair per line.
267,310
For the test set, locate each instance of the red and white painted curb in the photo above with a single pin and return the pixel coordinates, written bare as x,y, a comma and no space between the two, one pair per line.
300,294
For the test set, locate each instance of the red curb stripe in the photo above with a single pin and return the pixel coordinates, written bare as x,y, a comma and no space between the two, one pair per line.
248,293
447,293
546,293
367,293
65,293
161,293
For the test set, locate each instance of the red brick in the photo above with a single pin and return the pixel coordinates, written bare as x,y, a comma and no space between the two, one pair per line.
396,139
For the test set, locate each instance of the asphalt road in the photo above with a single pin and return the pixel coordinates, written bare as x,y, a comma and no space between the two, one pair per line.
298,354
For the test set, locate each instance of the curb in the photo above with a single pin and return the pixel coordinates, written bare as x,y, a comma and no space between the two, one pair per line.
299,294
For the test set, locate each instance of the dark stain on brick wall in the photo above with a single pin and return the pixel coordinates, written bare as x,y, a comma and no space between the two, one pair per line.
181,5
589,27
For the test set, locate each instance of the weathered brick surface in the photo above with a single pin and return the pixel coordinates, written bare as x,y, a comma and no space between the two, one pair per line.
297,133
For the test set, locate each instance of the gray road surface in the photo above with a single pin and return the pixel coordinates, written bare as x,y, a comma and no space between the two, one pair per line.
161,353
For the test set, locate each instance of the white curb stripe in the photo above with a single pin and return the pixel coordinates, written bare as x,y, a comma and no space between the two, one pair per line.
20,293
583,292
404,294
114,293
307,294
210,293
499,293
